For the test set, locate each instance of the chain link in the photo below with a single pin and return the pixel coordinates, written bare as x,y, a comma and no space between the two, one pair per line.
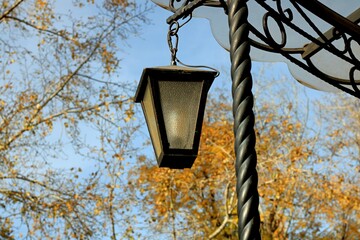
173,40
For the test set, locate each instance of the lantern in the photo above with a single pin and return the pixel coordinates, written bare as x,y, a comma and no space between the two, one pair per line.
173,100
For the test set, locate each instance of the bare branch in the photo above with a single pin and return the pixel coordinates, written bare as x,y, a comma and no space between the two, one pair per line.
13,7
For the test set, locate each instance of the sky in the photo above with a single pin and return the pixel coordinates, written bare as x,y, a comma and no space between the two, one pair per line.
197,46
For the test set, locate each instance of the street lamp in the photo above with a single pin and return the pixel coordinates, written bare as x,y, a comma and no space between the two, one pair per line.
173,100
318,39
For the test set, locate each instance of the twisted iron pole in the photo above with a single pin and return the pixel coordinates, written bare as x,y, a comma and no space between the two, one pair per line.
244,120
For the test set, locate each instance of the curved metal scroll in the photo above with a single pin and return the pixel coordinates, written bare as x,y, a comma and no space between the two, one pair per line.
319,42
305,56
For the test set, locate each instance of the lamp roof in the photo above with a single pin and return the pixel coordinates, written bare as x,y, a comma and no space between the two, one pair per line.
172,70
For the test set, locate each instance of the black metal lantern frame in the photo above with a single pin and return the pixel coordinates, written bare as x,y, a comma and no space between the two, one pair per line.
180,81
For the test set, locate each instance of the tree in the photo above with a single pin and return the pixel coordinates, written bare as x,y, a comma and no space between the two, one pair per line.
308,190
58,64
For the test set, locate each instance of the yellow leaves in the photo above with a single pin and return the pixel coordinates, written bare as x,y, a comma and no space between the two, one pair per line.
108,58
42,17
96,211
33,97
269,118
5,4
73,53
129,113
296,153
287,126
2,104
41,4
118,156
42,42
98,206
106,104
8,86
273,132
123,3
69,206
28,98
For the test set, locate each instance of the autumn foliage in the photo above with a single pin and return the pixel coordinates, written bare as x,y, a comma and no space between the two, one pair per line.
71,166
308,190
65,117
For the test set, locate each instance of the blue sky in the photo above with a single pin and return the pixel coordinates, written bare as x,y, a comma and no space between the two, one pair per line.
197,46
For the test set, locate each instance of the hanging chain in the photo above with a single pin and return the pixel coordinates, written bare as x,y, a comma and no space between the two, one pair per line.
173,40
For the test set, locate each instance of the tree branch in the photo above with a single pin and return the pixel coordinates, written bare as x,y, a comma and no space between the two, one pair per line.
220,228
39,28
7,12
227,212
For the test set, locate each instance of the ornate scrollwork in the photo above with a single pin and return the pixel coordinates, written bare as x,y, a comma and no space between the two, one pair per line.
268,33
354,83
349,49
285,14
319,41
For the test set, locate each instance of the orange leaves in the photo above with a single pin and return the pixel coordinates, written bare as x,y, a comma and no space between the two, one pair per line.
42,17
41,4
290,127
108,58
118,156
51,77
129,113
198,190
297,153
122,3
5,4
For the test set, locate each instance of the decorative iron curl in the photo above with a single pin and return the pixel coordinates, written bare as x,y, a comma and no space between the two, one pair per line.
268,32
352,79
285,13
348,48
247,178
320,41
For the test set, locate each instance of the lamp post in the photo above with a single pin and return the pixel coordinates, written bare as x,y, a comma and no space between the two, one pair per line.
318,39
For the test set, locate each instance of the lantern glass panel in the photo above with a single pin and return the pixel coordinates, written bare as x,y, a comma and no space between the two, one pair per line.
149,112
180,106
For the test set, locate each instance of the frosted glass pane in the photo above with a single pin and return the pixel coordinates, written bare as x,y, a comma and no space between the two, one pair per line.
180,105
149,112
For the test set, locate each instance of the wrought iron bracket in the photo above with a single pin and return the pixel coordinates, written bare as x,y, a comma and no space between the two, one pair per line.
345,29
